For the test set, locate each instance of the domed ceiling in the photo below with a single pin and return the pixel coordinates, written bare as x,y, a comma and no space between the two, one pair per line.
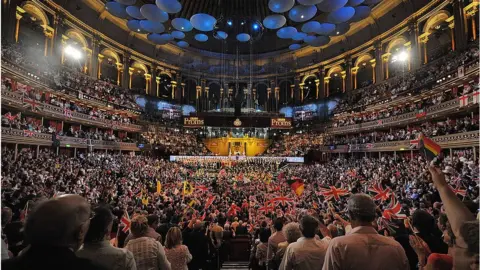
228,26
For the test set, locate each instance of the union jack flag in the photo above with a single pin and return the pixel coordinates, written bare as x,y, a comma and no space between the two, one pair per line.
125,220
233,210
458,190
333,193
28,133
394,210
34,105
266,208
9,116
384,223
209,201
67,112
281,200
381,194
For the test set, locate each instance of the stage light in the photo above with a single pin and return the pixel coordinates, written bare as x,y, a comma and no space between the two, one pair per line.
255,26
73,52
242,23
402,56
230,23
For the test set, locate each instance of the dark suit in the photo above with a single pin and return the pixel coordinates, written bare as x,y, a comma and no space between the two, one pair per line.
51,258
197,243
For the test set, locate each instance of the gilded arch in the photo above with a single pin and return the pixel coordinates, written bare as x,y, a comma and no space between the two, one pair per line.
140,66
400,40
308,76
333,70
37,12
436,19
111,54
77,36
363,58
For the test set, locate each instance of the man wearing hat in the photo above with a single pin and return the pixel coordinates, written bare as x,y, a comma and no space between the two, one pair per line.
363,247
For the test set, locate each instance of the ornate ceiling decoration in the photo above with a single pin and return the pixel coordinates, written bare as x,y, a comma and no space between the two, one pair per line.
203,24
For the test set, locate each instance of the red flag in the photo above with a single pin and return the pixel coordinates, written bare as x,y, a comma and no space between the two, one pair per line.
32,104
28,133
233,210
10,117
125,220
394,210
333,192
381,194
202,188
209,201
24,212
202,218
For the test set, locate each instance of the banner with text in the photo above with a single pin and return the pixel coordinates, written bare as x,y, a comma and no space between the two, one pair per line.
281,123
193,122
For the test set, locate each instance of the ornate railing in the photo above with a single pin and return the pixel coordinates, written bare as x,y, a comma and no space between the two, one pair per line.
17,136
14,99
465,139
403,119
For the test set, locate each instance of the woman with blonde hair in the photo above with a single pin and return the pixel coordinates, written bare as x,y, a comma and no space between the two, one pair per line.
177,254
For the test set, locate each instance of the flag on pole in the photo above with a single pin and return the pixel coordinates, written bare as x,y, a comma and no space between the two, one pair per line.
333,193
380,193
429,148
125,220
458,190
394,210
24,213
281,200
209,201
159,187
187,188
297,185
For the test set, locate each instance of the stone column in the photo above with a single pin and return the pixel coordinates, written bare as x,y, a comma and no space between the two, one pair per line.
148,83
179,88
317,88
48,32
379,61
423,39
461,32
344,81
277,97
385,59
87,65
95,70
415,54
174,89
59,30
207,99
321,83
130,74
297,89
348,73
301,86
327,86
203,84
126,71
354,77
11,14
451,25
269,93
373,64
157,85
119,73
197,97
100,58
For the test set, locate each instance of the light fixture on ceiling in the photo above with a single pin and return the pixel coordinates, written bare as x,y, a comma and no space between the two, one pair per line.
230,23
338,32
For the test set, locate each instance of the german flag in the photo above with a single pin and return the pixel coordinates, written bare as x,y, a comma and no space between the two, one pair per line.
296,184
428,148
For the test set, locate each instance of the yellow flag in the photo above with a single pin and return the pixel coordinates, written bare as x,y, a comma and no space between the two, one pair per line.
187,188
159,187
191,203
145,200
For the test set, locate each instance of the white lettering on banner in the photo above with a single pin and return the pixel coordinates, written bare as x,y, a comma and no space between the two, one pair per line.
193,121
279,159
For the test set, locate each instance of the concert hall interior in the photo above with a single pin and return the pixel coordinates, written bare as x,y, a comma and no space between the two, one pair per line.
240,134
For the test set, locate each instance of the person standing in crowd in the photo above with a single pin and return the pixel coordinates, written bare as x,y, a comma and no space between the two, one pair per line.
308,252
261,250
197,243
152,226
177,254
54,230
276,238
363,247
148,253
97,247
292,233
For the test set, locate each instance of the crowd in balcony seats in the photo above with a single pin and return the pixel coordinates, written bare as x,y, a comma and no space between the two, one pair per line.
34,125
423,104
405,83
429,129
419,220
176,141
63,79
292,145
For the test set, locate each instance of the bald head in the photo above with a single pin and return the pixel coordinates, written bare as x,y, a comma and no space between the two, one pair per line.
361,208
59,222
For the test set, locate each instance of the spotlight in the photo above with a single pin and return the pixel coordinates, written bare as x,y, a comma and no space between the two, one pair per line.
242,23
302,17
402,56
73,52
229,22
338,32
255,26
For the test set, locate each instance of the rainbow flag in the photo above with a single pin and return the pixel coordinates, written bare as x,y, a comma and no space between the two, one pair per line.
428,148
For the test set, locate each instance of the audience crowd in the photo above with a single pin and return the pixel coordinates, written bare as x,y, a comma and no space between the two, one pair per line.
183,214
